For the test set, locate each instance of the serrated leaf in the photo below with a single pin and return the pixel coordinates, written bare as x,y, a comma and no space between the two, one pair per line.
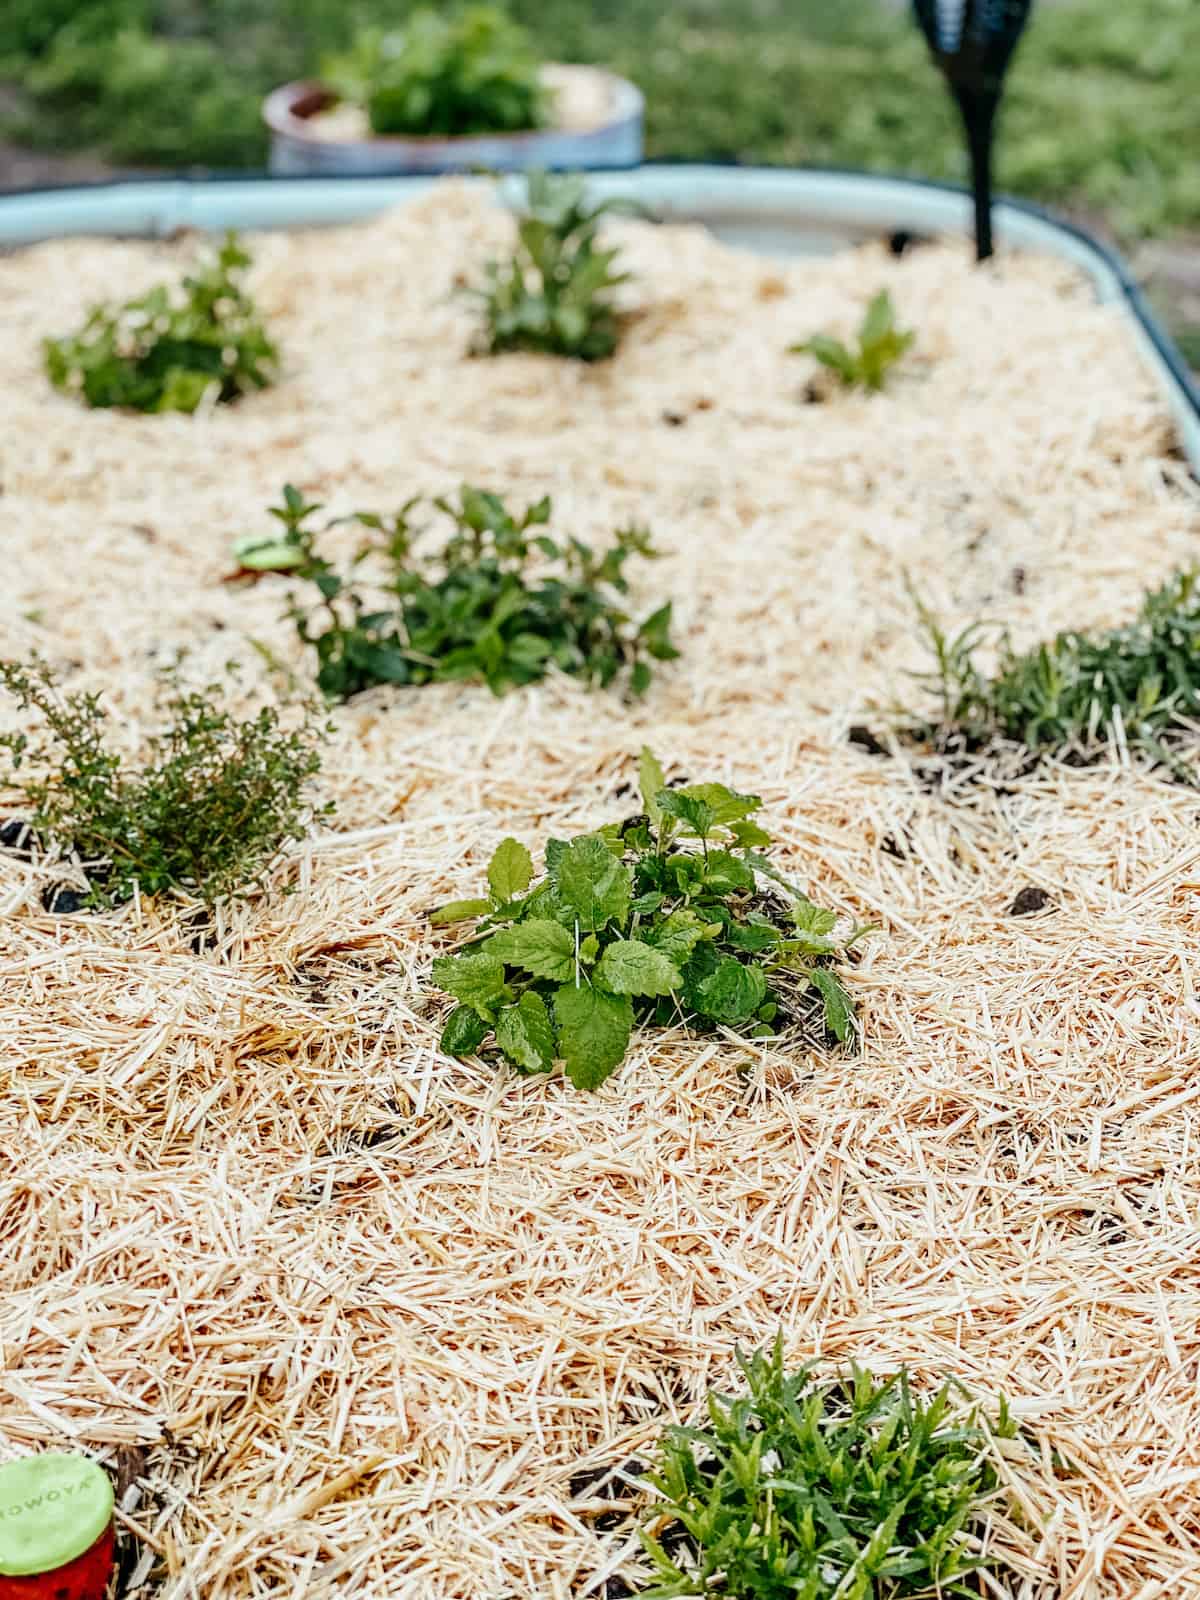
525,1034
726,804
677,935
652,782
593,1032
463,1033
510,871
630,967
477,979
459,911
591,883
726,874
732,993
538,946
688,809
839,1007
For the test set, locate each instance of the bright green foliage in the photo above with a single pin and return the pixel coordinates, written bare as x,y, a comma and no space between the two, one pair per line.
168,349
554,294
447,75
659,919
880,346
853,1489
501,601
1073,693
207,811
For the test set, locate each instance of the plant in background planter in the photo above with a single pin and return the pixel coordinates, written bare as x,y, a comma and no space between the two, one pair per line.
659,919
169,349
844,1489
555,292
502,601
447,75
881,344
207,811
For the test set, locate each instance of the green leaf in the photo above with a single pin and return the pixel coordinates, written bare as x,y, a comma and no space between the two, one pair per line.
839,1007
653,782
630,967
726,805
464,1032
477,979
511,870
732,993
677,935
594,1029
459,911
539,946
592,884
525,1034
688,809
725,874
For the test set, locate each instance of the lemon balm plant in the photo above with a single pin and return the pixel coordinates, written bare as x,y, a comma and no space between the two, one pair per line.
660,920
171,348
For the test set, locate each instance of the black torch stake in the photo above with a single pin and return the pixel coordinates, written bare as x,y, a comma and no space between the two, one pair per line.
973,43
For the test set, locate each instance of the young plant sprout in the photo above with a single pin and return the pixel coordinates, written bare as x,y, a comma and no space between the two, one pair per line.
501,601
470,72
881,344
554,294
656,920
171,348
851,1488
207,811
1140,682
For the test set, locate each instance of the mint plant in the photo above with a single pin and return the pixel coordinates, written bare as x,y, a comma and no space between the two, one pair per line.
846,1489
445,75
502,600
881,344
1080,688
207,811
168,349
656,920
555,292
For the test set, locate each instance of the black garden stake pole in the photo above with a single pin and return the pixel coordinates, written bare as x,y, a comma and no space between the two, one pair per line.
973,42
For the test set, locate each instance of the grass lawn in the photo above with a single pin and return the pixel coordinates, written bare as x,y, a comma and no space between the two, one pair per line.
1101,113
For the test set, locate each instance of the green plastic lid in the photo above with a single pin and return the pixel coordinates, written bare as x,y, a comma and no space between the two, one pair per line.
53,1507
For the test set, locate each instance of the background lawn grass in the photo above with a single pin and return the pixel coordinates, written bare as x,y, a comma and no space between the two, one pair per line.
1101,116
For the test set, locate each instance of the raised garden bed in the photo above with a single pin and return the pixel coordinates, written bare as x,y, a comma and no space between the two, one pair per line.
379,1317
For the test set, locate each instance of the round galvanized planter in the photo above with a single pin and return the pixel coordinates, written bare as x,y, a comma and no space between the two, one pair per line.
602,128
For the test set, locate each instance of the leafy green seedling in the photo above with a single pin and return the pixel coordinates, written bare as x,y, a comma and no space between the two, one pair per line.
207,812
850,1489
445,75
502,600
880,346
169,349
555,293
659,919
1139,682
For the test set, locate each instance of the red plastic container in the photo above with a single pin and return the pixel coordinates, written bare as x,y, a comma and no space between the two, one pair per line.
56,1528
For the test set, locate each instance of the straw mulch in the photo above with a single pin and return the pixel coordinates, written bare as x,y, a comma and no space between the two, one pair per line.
363,1319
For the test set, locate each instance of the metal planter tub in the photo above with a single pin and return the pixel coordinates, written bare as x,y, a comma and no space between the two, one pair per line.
773,211
600,125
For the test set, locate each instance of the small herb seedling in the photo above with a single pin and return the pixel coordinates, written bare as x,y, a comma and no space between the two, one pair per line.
880,346
502,600
555,293
169,349
1139,682
849,1489
445,75
659,919
207,812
